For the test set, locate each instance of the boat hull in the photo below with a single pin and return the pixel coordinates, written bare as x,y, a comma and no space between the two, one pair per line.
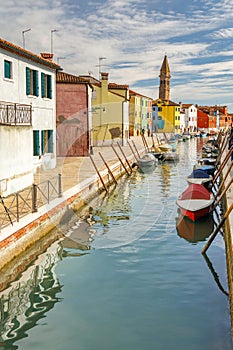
195,215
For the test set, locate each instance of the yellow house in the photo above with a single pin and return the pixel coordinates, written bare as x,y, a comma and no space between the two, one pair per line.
110,111
169,113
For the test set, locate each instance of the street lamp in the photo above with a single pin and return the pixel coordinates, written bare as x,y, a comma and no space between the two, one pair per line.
23,32
52,31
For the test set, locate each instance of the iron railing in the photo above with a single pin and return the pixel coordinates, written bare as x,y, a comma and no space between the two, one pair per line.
27,201
15,114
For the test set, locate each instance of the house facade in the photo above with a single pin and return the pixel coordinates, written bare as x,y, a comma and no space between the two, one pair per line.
74,115
110,111
27,115
166,117
190,112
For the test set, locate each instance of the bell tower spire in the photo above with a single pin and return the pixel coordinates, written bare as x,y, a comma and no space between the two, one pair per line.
164,87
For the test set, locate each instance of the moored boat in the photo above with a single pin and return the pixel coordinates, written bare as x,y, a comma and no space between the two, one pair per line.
199,176
195,202
147,160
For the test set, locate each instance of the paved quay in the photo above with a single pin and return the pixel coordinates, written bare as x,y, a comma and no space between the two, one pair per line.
80,182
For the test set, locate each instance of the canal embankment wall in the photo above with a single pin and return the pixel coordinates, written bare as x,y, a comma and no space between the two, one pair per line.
16,239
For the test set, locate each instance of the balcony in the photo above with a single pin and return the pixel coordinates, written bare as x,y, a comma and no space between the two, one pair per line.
15,114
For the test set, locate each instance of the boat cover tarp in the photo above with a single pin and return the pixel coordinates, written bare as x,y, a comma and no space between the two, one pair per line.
199,174
196,191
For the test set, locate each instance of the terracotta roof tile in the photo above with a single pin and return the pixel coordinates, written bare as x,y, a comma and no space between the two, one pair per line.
27,54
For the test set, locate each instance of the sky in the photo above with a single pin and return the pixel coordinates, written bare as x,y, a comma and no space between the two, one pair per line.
132,37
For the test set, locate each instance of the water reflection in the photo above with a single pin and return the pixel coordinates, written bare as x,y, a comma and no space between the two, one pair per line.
196,231
29,298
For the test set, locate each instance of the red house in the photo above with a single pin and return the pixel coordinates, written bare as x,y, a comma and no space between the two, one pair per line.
202,119
73,115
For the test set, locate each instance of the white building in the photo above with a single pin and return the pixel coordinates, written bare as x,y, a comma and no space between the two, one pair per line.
190,112
27,115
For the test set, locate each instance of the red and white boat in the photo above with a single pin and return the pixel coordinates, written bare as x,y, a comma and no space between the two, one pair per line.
195,202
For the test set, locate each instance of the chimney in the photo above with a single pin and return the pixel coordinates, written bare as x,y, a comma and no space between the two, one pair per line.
104,76
104,87
47,56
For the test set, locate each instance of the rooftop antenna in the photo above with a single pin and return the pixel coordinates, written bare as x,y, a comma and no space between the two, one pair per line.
23,32
52,31
99,65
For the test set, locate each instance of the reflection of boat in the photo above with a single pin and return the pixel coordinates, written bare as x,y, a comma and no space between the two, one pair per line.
186,136
199,176
195,202
147,160
194,231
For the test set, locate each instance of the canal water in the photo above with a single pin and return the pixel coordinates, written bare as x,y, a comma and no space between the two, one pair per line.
134,279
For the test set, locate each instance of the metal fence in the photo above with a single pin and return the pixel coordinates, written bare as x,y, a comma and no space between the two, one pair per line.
27,201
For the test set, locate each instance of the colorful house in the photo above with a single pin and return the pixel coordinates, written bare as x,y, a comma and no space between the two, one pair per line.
27,115
74,116
140,113
168,116
110,111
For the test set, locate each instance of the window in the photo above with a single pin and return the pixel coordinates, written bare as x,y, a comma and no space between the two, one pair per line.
36,142
7,69
160,109
42,142
46,141
46,85
32,82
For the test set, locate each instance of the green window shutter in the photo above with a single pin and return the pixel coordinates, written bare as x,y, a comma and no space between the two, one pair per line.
42,85
28,82
42,141
7,69
50,141
35,83
36,142
49,86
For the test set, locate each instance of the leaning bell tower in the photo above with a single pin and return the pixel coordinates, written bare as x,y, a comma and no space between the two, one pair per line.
164,86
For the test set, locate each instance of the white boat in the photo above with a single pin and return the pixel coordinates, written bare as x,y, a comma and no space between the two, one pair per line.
147,160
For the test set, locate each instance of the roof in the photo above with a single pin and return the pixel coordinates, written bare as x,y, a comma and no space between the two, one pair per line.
117,86
17,50
62,77
164,102
134,93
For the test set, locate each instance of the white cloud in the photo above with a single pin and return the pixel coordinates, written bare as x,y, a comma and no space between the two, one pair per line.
127,32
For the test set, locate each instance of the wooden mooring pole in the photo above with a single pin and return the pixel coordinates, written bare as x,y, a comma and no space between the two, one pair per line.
131,148
109,170
136,148
122,163
214,234
223,164
101,179
123,153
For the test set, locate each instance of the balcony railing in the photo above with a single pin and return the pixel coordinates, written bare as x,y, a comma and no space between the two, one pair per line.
15,114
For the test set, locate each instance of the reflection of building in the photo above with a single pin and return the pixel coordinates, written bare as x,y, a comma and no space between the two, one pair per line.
28,299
